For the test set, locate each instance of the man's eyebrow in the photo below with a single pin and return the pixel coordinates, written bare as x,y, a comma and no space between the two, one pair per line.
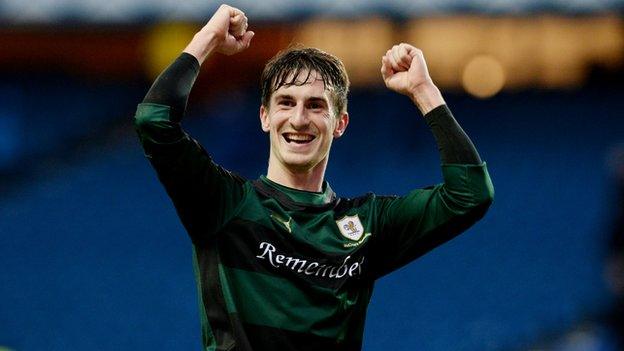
309,98
284,96
317,98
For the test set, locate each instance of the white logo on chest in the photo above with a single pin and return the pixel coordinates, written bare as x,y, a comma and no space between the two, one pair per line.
347,267
350,227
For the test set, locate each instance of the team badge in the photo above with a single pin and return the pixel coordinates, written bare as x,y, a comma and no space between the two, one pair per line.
351,227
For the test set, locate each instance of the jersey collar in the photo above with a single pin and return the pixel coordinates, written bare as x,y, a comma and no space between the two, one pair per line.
295,196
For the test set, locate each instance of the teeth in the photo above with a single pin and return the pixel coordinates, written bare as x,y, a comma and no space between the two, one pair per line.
299,137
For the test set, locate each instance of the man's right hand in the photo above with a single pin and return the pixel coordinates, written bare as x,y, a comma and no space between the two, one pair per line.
226,33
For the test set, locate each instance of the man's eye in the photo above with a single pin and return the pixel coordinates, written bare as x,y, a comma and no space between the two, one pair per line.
286,103
315,106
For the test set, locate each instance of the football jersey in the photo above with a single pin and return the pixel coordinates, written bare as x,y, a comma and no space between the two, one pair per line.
284,269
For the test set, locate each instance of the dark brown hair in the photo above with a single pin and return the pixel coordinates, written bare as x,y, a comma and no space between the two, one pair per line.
284,69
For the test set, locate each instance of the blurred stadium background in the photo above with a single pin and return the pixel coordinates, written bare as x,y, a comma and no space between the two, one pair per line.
92,256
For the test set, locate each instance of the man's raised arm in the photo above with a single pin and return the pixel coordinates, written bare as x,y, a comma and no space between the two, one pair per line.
225,33
203,193
404,70
425,218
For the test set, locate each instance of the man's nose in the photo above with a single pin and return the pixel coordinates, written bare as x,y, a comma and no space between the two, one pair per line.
299,118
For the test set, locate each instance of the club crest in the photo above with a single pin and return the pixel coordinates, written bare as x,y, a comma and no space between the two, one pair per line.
351,227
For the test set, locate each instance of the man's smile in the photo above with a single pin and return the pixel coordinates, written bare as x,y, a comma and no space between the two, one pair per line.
298,138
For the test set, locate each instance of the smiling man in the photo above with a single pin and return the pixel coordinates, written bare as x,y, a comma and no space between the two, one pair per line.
302,114
281,262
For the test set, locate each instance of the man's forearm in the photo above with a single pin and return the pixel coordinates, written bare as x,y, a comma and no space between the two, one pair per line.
404,70
454,145
158,116
173,86
203,45
427,97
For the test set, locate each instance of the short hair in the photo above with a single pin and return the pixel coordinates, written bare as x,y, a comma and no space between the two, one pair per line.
285,67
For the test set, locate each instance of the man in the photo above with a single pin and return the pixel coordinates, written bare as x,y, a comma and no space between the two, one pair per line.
281,262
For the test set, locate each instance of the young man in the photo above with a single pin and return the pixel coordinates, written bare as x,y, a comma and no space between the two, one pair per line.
281,262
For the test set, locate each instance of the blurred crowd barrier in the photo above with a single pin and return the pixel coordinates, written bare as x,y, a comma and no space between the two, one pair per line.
94,11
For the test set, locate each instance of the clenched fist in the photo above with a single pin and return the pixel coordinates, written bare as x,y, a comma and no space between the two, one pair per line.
404,70
226,32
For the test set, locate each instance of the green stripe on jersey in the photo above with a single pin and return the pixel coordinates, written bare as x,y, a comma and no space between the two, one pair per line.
277,302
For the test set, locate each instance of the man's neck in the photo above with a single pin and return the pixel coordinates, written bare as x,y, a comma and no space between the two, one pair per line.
308,180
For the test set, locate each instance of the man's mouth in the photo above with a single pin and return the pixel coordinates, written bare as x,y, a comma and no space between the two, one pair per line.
298,138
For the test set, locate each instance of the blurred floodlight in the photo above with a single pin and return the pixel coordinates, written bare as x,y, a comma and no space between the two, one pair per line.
483,76
359,44
164,43
546,51
538,51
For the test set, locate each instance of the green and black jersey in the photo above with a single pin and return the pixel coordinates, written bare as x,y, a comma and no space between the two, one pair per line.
284,269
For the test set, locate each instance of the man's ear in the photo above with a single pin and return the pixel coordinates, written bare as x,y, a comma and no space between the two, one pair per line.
342,122
264,119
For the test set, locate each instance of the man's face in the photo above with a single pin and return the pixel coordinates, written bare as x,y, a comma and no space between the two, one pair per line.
301,122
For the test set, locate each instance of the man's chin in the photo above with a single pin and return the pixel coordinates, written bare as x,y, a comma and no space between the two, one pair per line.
300,163
299,166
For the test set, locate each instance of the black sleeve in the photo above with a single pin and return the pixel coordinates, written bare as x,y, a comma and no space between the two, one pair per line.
173,86
205,194
454,145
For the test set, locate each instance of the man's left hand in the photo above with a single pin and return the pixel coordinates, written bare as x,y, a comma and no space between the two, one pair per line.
404,70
